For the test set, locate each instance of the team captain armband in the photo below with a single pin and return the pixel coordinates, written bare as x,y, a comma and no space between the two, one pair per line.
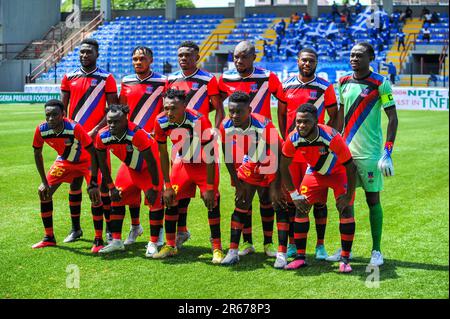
387,99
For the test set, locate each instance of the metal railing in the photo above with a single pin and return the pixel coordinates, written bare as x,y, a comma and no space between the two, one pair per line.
411,44
213,39
8,50
67,46
442,57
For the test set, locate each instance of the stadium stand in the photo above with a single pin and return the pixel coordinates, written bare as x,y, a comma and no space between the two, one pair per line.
331,38
118,38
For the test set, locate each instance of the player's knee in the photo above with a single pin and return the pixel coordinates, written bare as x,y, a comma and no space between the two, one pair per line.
299,214
347,212
372,198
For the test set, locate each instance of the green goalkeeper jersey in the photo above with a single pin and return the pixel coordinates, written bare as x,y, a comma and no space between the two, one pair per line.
363,100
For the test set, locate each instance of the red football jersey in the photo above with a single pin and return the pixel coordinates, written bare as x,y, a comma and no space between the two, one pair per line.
245,142
294,93
144,98
188,138
88,95
325,155
259,85
198,87
128,149
70,144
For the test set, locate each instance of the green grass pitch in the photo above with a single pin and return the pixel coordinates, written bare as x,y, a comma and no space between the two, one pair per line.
415,235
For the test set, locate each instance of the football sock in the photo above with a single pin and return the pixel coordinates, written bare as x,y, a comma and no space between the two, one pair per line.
214,225
283,229
182,214
47,218
170,224
267,218
106,200
236,226
291,213
320,215
75,208
247,230
117,216
97,217
301,228
156,222
134,214
347,230
376,225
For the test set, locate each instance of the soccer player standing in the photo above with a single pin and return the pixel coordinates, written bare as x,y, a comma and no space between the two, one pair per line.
73,163
142,93
260,84
330,166
362,96
306,87
251,148
202,95
139,171
193,164
84,93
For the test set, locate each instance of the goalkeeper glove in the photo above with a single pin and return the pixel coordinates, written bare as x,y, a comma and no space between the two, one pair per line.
385,164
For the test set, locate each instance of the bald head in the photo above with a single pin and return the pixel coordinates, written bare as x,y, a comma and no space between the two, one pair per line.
244,56
246,47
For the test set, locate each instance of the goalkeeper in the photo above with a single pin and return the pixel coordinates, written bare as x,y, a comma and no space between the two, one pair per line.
363,94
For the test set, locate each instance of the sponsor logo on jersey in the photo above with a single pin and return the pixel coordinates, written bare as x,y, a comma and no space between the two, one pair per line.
365,92
323,150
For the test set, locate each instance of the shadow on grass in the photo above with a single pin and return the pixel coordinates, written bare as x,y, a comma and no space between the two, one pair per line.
361,269
256,261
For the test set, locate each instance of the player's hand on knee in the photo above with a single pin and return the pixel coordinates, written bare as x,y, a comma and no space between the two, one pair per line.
278,200
44,192
94,193
302,205
169,196
209,198
150,194
115,195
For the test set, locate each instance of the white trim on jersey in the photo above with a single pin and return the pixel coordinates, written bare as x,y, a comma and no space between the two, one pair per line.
262,90
147,104
89,101
197,96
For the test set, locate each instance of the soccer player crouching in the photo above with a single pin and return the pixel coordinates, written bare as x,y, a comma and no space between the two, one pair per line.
330,165
193,164
73,163
251,146
138,172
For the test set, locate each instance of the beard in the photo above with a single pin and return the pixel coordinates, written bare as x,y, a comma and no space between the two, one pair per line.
307,75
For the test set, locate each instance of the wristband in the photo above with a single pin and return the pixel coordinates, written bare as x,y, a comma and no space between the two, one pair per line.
167,185
294,194
388,147
209,187
111,186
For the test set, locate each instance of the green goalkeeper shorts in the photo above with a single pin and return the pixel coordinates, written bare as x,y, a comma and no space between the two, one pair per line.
368,175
